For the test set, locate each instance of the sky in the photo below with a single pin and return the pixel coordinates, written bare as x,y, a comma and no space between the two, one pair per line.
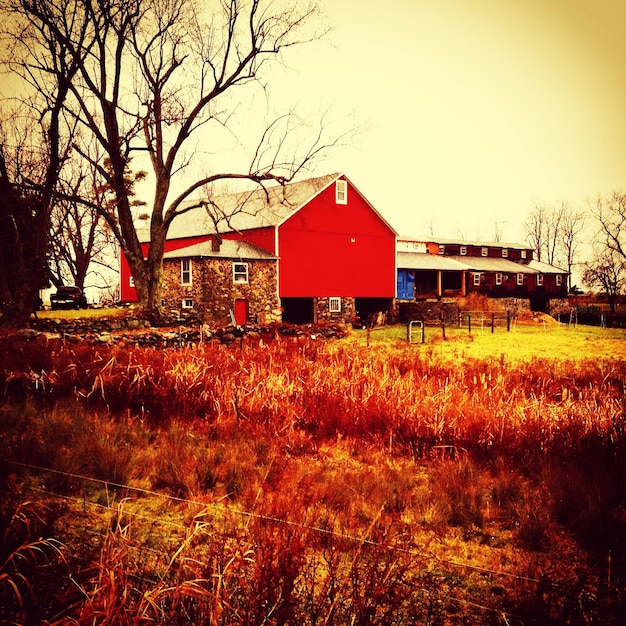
473,110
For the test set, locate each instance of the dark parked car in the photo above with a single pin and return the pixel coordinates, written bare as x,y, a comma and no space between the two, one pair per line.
68,298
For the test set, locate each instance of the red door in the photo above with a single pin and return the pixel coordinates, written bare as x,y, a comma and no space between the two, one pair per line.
241,311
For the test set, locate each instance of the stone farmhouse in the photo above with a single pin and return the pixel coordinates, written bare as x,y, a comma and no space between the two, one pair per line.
317,250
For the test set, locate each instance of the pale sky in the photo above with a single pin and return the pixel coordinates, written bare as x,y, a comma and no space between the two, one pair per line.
474,108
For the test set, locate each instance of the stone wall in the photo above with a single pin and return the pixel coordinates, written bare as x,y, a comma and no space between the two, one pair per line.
324,314
430,312
214,292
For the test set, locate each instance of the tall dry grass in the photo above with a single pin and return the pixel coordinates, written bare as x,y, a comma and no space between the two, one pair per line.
337,483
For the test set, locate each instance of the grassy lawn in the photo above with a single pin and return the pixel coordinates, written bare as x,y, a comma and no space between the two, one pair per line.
552,341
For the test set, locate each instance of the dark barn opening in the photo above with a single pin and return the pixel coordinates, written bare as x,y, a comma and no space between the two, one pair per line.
297,310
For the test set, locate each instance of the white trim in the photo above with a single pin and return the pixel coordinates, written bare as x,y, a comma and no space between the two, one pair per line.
184,271
243,272
341,191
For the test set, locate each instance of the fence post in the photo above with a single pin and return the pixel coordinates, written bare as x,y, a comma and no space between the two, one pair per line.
469,324
508,321
493,322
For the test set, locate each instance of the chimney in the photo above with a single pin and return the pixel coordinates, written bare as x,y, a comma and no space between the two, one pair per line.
216,243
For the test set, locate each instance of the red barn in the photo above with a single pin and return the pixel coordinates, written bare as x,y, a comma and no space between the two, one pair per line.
336,254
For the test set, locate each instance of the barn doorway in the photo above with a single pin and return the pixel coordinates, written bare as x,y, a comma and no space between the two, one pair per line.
241,311
298,310
366,307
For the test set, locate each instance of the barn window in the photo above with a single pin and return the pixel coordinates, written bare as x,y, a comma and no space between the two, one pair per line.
539,280
240,272
505,253
498,278
187,303
442,249
131,281
463,251
559,280
334,305
477,279
341,192
520,279
484,252
522,254
185,271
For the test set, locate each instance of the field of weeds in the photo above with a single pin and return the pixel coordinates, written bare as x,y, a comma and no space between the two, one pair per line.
308,482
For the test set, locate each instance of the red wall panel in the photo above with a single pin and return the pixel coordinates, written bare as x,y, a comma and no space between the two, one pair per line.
329,249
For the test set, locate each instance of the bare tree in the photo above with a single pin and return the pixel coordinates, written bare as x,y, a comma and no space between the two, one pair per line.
158,81
34,143
573,225
554,233
535,227
607,270
81,241
610,213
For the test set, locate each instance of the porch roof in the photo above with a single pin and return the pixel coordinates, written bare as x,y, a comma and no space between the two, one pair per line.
229,249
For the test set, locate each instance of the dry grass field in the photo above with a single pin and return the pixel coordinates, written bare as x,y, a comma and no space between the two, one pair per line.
472,480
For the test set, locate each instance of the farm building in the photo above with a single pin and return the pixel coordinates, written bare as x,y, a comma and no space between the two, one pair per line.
438,268
307,251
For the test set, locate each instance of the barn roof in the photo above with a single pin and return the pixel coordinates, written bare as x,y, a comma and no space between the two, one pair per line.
229,249
493,264
426,261
545,268
465,242
256,208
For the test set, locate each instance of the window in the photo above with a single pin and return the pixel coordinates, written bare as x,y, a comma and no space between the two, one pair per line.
505,253
240,272
559,280
185,271
522,254
341,192
476,279
539,280
498,278
520,279
334,305
442,249
463,251
484,251
187,303
131,281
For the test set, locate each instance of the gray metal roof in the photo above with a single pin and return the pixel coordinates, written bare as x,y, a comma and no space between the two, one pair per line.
257,208
493,264
426,261
466,242
545,268
229,249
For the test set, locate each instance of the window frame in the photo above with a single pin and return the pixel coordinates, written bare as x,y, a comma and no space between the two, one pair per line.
463,250
498,278
520,279
334,304
522,254
241,276
505,253
477,279
484,252
442,249
539,280
341,192
186,274
187,303
559,280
